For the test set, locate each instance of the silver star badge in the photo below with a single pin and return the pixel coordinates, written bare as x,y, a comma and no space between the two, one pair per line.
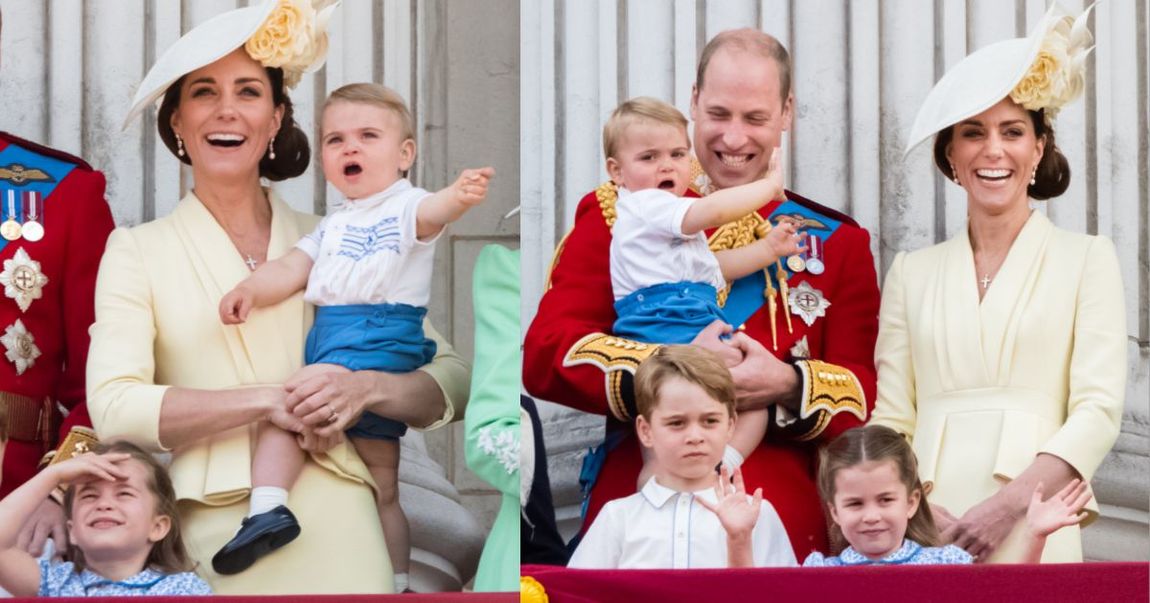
808,302
22,279
19,347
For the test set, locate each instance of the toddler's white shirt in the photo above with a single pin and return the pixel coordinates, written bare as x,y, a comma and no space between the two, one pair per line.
648,246
367,252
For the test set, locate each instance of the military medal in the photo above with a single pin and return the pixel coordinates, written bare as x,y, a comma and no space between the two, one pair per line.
808,303
19,347
796,263
22,279
10,229
33,230
815,255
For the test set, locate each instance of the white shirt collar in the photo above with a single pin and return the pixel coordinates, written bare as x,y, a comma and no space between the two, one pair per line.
658,494
399,186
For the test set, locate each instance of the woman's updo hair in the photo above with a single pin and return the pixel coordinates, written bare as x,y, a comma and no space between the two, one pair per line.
1053,175
293,153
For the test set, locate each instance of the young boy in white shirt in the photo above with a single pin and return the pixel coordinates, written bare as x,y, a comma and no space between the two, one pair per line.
686,515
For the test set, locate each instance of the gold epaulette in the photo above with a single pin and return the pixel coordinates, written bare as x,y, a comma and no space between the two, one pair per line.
607,194
828,389
614,356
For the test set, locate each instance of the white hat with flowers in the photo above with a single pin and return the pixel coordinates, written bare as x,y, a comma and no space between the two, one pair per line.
289,34
1045,70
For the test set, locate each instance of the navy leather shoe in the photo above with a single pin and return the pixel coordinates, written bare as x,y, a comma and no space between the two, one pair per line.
259,535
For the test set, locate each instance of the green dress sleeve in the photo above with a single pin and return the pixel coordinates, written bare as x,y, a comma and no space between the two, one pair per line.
491,425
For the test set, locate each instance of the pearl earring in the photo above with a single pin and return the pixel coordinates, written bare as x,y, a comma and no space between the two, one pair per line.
954,173
1034,175
271,148
179,146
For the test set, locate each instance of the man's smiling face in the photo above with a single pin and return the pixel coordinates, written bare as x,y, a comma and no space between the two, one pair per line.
739,115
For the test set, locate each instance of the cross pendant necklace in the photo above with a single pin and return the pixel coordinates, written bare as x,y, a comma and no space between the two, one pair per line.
985,281
251,262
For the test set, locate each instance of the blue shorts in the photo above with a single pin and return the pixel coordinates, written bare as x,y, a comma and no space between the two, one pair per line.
378,337
667,313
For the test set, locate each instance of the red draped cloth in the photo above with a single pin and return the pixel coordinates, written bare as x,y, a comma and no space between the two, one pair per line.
410,598
1071,582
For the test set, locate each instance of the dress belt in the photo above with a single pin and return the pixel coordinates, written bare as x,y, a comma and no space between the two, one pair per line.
30,419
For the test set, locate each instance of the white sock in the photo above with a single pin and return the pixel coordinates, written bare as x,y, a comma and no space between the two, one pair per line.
732,459
266,498
401,582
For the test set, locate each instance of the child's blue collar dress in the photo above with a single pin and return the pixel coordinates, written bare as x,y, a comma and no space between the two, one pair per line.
910,553
60,579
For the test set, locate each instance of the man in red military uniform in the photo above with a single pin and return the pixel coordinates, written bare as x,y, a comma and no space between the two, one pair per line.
54,223
810,324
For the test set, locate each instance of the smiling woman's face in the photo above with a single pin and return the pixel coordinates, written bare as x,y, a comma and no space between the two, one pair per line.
226,117
994,155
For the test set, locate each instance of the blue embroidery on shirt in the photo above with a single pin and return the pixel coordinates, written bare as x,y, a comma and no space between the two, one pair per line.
364,241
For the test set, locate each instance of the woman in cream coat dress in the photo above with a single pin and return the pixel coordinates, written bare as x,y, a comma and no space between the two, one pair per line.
164,371
1002,353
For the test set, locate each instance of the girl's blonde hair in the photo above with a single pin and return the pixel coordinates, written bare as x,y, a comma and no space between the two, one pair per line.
876,443
169,555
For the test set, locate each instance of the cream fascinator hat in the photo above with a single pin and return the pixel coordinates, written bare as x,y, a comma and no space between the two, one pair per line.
290,34
1045,70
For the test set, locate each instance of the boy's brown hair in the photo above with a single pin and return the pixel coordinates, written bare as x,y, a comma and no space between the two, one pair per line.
374,94
169,555
641,108
690,363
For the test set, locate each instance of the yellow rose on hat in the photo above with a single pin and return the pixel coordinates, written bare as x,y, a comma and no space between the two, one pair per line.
294,38
1057,75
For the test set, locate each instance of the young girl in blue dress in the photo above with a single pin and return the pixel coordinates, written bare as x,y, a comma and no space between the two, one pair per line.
868,478
123,530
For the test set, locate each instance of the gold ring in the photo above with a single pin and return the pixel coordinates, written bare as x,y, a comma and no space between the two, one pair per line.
333,417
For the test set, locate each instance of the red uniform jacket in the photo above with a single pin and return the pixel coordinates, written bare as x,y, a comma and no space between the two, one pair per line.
568,360
77,222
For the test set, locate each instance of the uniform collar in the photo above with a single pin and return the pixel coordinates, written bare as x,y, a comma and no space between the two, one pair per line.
658,494
904,553
397,187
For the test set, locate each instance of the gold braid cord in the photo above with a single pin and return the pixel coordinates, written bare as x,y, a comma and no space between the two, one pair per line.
607,194
555,258
828,389
740,233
